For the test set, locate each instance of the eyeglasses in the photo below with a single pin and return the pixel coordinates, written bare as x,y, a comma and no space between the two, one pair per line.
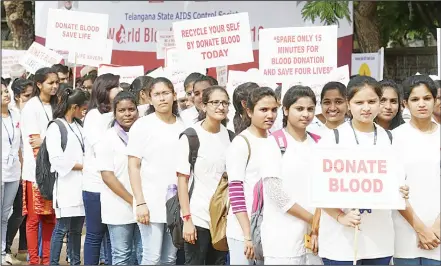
218,103
163,94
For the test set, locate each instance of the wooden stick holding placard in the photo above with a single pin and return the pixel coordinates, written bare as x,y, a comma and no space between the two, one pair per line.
75,70
27,77
356,242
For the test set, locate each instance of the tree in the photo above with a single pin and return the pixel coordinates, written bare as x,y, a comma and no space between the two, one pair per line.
20,22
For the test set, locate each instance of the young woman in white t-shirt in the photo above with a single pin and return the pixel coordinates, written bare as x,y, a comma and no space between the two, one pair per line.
22,89
35,117
390,116
243,174
152,169
334,108
336,232
417,143
285,196
116,195
241,120
139,88
67,194
11,166
96,122
210,166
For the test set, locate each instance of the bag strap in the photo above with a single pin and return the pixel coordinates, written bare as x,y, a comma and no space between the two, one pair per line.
248,146
389,134
337,135
280,138
193,142
315,137
63,132
231,134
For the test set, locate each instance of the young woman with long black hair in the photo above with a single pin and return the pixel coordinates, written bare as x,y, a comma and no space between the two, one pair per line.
417,144
35,116
152,169
241,120
390,116
139,88
68,200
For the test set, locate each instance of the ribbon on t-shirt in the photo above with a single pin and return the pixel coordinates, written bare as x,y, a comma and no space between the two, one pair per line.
122,134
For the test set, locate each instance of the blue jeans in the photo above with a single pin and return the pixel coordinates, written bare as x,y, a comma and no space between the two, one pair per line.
377,261
73,226
95,229
157,245
104,252
416,261
126,244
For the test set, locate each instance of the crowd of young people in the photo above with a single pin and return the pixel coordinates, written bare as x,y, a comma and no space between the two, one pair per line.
125,156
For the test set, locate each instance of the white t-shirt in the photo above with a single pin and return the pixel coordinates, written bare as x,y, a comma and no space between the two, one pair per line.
155,142
112,156
11,137
250,174
142,109
95,125
419,153
189,116
209,168
68,198
376,238
35,117
283,227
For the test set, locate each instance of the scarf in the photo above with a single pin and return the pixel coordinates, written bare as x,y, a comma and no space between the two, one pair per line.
121,133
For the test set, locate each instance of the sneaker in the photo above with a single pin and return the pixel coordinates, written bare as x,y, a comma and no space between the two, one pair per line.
22,256
11,260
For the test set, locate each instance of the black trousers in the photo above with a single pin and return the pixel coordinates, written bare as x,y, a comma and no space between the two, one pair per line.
16,222
202,252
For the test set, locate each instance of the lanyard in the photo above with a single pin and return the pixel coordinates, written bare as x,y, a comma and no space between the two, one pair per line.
355,134
44,110
7,131
79,139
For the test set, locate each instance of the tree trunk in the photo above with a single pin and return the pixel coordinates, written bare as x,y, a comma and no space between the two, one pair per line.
366,26
20,22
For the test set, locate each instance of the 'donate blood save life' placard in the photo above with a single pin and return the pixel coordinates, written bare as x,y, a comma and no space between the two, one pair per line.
300,52
76,31
215,41
38,56
356,177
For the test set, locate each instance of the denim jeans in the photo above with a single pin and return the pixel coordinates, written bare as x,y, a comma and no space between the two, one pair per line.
73,226
126,244
202,252
9,191
377,261
16,223
157,245
95,229
416,261
105,253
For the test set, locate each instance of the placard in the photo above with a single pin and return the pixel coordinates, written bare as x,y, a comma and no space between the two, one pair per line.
356,177
164,39
76,31
303,52
368,64
214,41
222,75
38,56
171,58
178,75
10,58
95,56
127,73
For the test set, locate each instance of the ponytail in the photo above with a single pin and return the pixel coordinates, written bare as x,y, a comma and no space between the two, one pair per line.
69,97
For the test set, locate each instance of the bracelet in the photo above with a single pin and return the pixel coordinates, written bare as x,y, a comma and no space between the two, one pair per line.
247,238
186,217
339,215
141,204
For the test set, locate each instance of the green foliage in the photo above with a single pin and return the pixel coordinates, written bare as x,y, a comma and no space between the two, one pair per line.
329,12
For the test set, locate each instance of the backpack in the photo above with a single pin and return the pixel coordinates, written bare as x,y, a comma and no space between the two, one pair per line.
45,179
219,207
173,209
279,136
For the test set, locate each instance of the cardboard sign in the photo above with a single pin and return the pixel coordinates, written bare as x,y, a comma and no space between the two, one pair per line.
438,33
222,75
303,52
76,31
368,64
38,56
127,73
159,72
10,58
171,58
94,56
215,41
178,75
164,39
356,177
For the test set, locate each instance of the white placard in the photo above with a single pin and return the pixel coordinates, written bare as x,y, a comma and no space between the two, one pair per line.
76,31
9,58
127,73
171,58
368,64
158,72
303,52
222,75
214,41
356,177
164,39
38,56
178,75
94,56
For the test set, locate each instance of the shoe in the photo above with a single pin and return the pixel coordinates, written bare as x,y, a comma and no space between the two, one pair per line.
22,256
11,260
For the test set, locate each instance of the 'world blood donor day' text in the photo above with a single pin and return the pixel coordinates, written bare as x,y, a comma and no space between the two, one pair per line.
213,45
356,167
